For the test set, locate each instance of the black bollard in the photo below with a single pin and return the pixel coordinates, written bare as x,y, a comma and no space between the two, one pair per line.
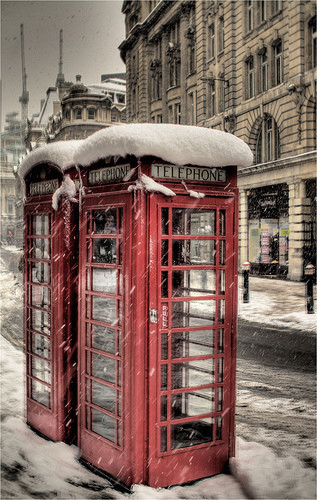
246,272
310,275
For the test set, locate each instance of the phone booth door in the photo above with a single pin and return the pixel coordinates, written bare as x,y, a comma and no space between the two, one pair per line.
191,398
103,359
49,346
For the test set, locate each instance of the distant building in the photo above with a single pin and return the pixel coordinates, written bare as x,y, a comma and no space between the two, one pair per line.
249,68
80,111
12,148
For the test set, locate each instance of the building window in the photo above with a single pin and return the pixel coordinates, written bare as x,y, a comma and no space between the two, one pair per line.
212,90
67,115
121,98
191,110
91,113
221,35
191,58
250,78
276,6
173,54
278,63
264,71
211,41
268,141
312,46
114,116
249,15
263,15
78,114
174,114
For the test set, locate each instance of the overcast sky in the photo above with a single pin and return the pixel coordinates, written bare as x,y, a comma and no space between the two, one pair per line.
92,32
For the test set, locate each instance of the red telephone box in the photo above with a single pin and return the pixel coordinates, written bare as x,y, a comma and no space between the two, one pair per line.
155,345
50,273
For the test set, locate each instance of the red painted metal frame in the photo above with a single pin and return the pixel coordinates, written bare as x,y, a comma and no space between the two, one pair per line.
187,464
125,462
58,422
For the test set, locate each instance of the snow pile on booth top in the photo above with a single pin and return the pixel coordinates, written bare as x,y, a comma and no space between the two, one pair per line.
59,153
178,144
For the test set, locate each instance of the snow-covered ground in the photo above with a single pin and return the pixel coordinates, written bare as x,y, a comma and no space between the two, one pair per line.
32,467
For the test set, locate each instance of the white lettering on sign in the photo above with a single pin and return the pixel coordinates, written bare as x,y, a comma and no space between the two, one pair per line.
43,187
204,174
108,174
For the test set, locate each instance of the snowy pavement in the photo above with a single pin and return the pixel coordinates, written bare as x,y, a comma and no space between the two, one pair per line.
33,467
278,303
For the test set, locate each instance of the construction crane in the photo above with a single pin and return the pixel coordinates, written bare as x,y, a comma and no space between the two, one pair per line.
24,99
60,77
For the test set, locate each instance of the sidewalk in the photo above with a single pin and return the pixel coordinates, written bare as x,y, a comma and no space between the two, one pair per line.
277,302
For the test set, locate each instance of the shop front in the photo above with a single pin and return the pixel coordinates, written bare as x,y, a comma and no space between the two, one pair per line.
268,228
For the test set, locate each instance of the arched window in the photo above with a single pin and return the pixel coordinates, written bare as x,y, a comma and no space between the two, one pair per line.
268,141
250,78
78,114
91,113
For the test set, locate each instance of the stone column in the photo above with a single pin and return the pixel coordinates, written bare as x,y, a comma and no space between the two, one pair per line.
243,227
298,205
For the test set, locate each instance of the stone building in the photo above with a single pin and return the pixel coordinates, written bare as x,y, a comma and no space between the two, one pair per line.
77,111
247,67
12,148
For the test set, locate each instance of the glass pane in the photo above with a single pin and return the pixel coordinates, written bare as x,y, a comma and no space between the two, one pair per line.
220,370
189,344
165,221
40,296
105,250
222,282
41,393
193,313
193,283
104,280
191,404
164,284
103,424
220,340
41,345
164,253
194,252
105,221
40,224
219,428
222,252
163,439
41,369
191,433
40,321
103,396
40,272
163,408
104,338
193,373
219,398
164,377
104,309
40,248
221,311
222,222
104,368
194,221
164,346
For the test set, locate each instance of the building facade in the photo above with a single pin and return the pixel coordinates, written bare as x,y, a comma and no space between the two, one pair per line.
76,111
249,68
12,148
